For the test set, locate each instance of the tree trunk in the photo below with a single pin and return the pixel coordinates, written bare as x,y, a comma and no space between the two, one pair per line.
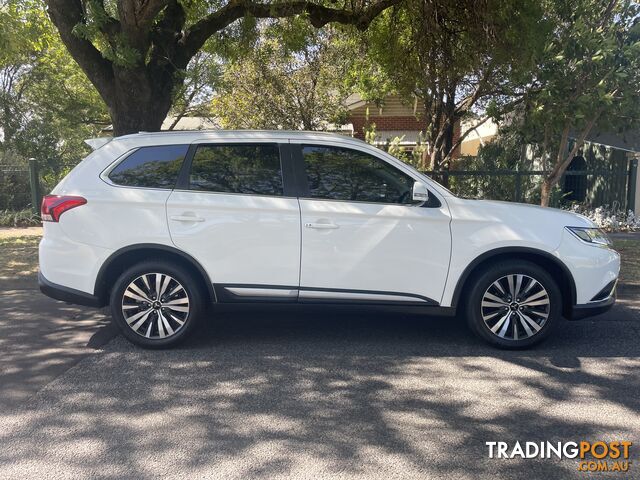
545,192
134,117
439,132
563,160
139,97
141,100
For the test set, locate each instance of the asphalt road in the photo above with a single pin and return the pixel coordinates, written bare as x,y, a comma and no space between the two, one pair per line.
305,394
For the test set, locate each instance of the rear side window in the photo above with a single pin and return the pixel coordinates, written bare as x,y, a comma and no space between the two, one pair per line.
248,169
150,167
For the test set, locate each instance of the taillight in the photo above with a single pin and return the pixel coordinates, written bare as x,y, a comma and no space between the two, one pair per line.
55,205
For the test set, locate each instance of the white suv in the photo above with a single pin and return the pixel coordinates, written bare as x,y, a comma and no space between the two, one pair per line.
160,225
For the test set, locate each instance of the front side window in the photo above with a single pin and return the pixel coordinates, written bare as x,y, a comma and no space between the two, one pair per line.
150,167
337,173
248,169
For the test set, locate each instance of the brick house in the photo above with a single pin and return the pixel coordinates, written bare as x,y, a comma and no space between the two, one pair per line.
395,117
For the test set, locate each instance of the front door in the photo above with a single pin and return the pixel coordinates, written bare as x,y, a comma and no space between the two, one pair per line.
232,215
363,238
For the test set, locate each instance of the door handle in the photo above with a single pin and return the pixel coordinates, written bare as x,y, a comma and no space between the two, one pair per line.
186,218
322,226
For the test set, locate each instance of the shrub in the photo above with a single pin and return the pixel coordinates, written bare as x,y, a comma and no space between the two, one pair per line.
20,218
611,219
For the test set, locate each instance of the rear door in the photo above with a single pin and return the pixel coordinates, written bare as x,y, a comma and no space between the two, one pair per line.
363,238
231,212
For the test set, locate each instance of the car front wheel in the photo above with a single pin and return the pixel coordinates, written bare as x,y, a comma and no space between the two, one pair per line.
513,304
156,304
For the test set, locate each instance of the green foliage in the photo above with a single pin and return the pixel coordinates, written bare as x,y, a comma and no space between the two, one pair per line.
47,105
291,78
370,134
589,72
193,95
22,30
412,155
587,79
504,155
458,58
20,218
115,47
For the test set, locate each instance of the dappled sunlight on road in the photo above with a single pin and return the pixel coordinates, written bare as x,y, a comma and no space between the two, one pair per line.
308,394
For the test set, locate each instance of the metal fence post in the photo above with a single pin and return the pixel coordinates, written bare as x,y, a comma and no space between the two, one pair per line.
518,192
632,185
34,182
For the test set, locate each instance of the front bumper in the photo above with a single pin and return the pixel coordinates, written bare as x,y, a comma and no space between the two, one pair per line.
66,294
590,309
594,270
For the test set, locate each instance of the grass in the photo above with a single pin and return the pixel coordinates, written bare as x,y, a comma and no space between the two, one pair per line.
18,261
630,252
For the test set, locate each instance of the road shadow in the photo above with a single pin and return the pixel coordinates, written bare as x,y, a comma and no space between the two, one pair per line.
40,339
331,394
613,334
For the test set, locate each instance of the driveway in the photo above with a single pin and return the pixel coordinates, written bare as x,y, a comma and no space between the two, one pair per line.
301,393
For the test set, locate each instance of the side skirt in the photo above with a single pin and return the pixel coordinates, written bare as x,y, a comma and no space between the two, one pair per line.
244,294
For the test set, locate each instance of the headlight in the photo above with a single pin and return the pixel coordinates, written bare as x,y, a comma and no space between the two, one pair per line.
594,236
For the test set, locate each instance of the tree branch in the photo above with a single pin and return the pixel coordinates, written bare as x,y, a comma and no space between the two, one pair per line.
461,138
166,34
136,18
562,165
465,105
318,15
563,161
505,108
65,15
147,11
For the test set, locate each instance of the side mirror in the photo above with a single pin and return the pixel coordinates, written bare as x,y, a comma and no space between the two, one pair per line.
420,192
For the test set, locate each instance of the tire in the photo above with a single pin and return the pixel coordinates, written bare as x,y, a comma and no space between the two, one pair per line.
166,321
519,322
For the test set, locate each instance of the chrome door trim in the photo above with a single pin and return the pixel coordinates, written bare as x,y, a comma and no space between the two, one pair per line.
230,293
358,296
262,292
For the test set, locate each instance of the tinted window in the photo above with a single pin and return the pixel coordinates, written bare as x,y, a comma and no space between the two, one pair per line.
344,174
155,167
249,169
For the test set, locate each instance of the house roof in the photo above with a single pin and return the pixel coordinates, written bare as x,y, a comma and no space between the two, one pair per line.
411,137
392,105
354,101
628,141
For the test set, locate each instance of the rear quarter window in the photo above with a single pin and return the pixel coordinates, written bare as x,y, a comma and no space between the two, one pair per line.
150,167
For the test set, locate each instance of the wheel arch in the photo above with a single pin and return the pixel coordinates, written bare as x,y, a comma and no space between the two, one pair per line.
550,263
121,259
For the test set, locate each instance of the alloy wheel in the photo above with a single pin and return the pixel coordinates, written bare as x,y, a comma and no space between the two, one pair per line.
155,305
515,307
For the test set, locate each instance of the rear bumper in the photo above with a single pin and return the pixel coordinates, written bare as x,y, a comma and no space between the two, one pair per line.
66,294
593,308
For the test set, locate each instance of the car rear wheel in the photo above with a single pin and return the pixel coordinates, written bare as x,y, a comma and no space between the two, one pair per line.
514,304
156,304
